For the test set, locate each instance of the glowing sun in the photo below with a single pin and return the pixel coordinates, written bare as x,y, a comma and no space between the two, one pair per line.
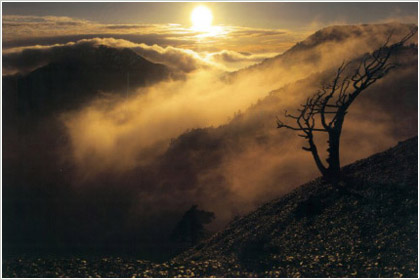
201,18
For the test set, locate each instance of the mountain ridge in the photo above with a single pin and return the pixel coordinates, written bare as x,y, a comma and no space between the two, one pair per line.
77,74
332,34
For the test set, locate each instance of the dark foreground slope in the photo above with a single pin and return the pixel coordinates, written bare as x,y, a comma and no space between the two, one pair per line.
367,230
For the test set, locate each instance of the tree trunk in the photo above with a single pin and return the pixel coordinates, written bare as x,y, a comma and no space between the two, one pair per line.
315,155
334,168
333,171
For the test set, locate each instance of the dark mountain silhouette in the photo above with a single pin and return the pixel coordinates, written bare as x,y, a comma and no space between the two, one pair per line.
367,229
76,75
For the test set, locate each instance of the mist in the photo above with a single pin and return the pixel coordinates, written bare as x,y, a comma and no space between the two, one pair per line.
128,165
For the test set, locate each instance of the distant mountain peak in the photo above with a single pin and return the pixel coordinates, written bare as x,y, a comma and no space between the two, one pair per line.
339,33
344,41
76,74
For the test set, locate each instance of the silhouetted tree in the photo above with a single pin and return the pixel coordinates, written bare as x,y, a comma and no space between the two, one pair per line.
324,112
191,226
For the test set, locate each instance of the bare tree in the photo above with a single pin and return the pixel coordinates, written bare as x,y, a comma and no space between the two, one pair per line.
191,227
324,112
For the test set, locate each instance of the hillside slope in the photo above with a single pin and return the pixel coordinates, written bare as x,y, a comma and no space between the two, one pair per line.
369,230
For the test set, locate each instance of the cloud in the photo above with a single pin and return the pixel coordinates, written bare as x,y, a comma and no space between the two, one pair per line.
25,59
125,26
21,31
234,60
247,159
249,32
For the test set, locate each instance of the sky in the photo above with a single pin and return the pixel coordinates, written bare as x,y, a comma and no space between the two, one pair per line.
269,28
263,15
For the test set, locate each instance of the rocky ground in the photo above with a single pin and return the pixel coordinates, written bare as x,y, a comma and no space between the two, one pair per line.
365,228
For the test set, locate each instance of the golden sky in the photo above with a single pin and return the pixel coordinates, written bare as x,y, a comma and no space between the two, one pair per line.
241,27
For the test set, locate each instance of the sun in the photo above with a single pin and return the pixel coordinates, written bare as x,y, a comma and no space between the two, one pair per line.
201,18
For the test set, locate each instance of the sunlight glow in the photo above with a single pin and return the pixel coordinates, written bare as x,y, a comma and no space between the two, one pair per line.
201,18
